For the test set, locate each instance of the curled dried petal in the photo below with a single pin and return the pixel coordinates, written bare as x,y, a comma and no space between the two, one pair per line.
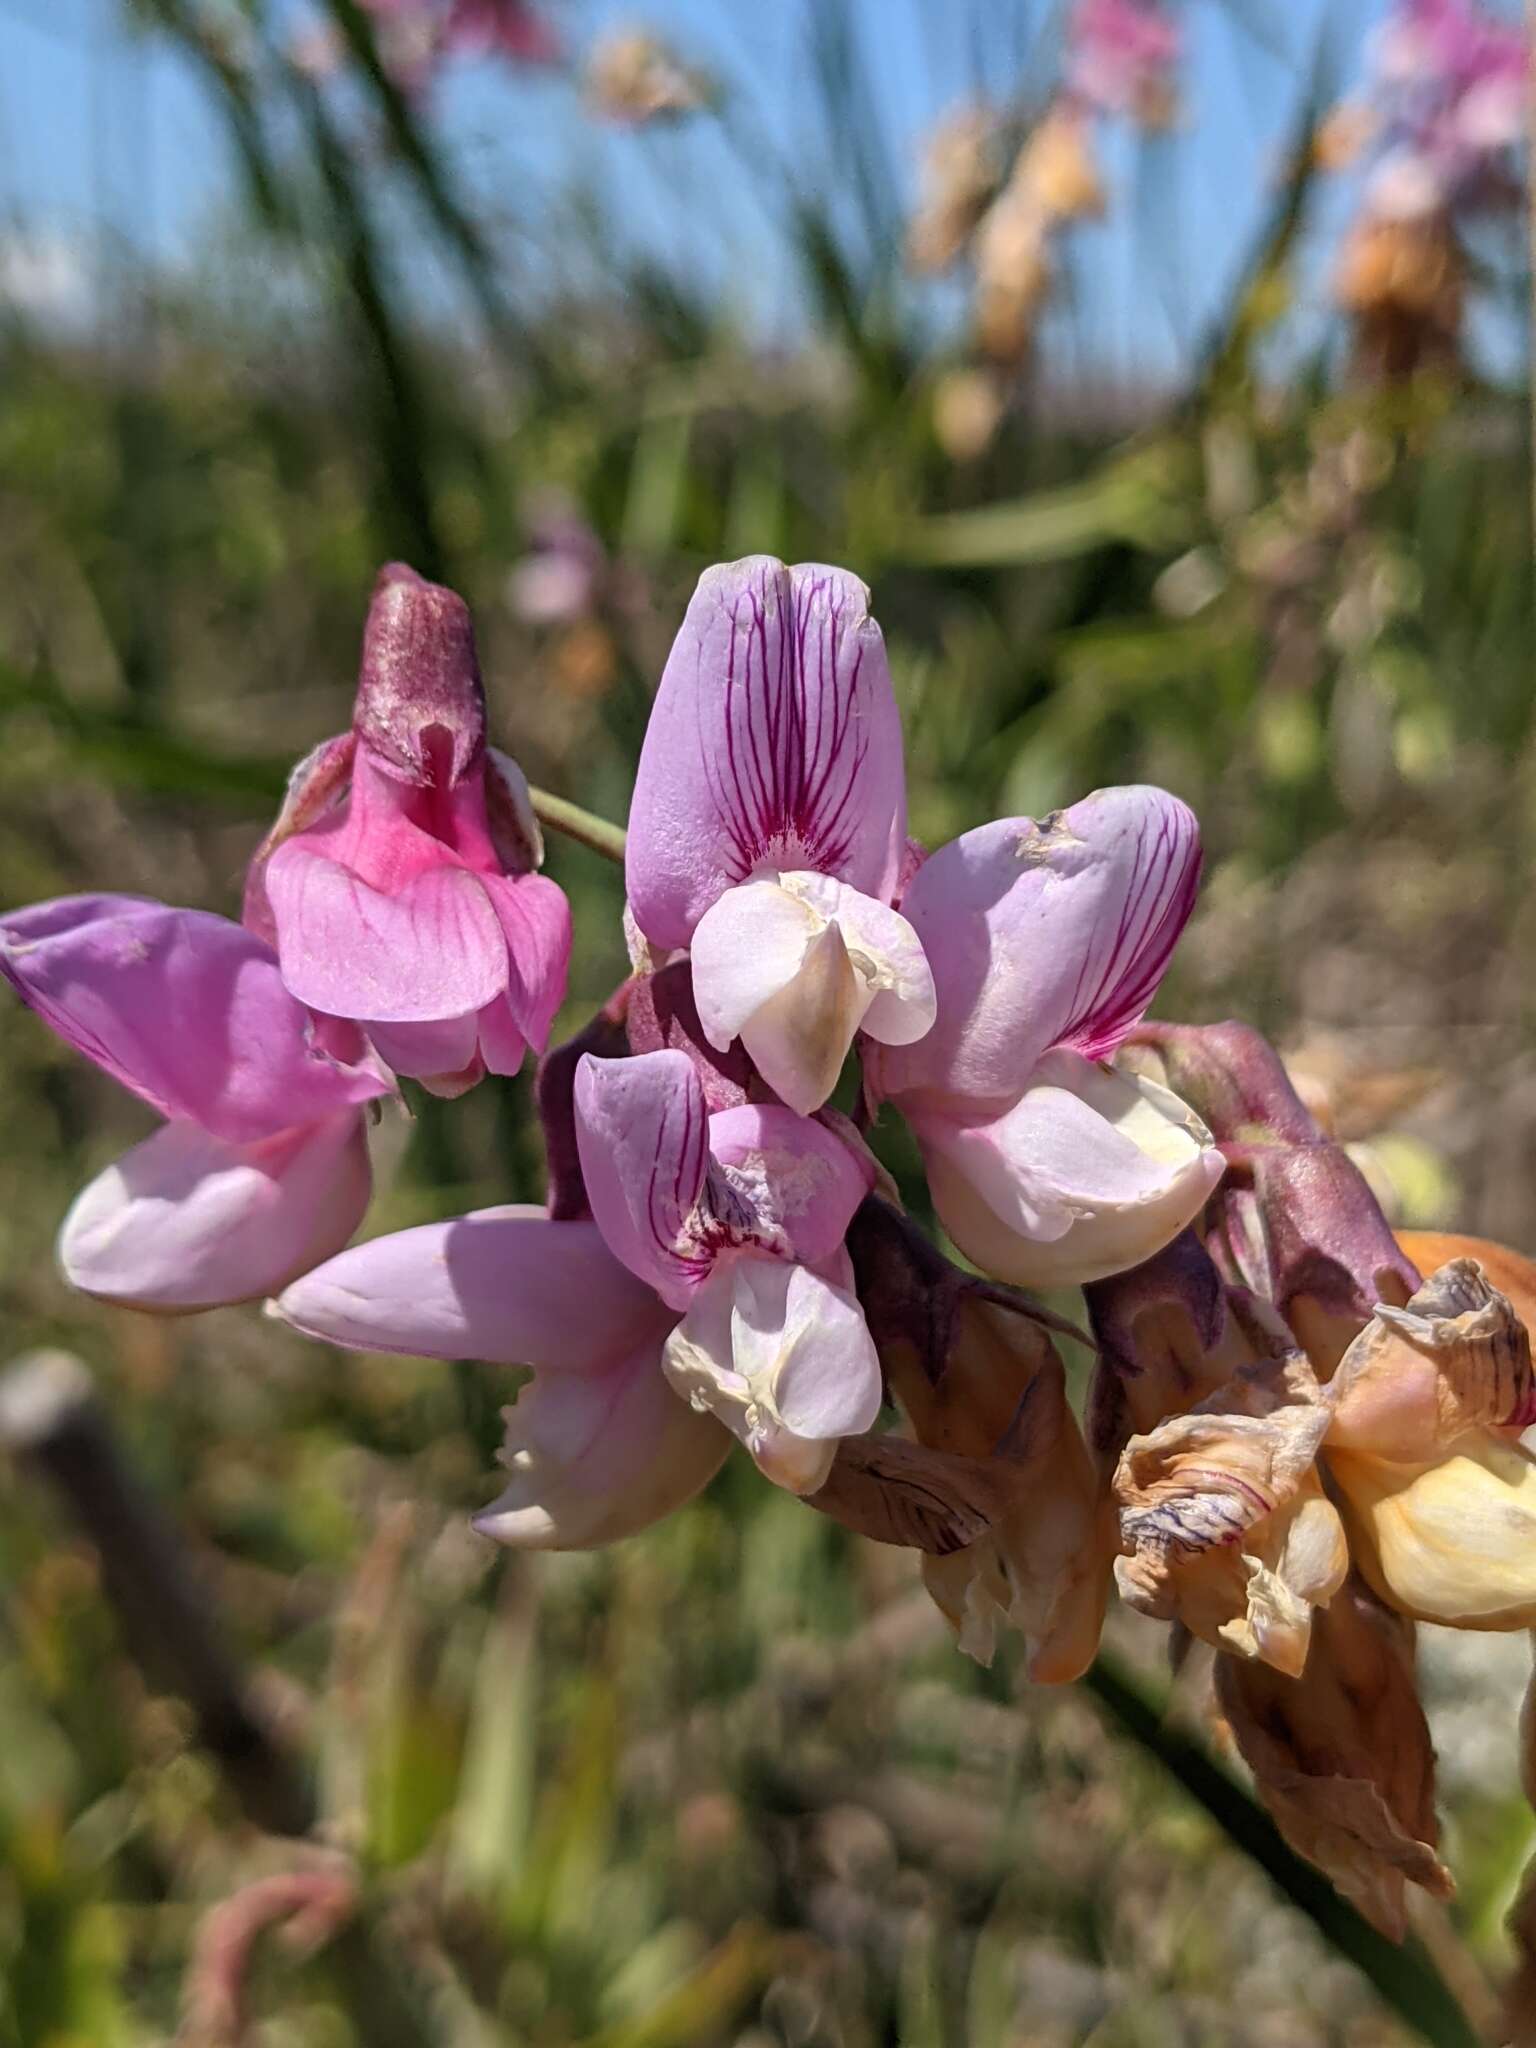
1224,1520
1415,1379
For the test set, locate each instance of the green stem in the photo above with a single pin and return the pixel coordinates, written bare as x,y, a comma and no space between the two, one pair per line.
560,815
1404,1977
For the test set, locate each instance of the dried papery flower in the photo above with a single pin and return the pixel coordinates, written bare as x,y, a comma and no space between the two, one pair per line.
1053,182
1403,282
1457,1358
1224,1520
967,408
1168,1339
961,166
973,1366
1294,1220
1438,1494
1341,1755
634,78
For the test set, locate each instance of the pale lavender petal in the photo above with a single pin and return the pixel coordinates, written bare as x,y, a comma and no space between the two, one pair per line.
434,948
1044,935
783,1357
774,742
596,1458
502,1046
185,1221
794,1183
642,1132
1090,1173
505,1285
185,1009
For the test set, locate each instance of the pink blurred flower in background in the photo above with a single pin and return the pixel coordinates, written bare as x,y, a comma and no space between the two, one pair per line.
261,1169
1121,58
768,824
1047,941
1449,89
397,883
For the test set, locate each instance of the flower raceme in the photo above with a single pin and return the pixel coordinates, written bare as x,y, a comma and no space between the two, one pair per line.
397,883
261,1168
712,1287
1046,943
767,832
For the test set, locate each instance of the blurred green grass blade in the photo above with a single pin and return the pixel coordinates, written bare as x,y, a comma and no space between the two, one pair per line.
1404,1977
421,161
493,1813
702,2006
1136,500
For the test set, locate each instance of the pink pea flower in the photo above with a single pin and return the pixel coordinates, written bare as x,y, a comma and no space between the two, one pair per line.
396,884
768,824
1122,57
1047,942
712,1288
261,1169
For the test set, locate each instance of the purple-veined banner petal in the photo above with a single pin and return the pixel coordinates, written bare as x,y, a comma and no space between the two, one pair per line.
1054,934
774,742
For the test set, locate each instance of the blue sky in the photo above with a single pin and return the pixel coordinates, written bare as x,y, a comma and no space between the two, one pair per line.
107,142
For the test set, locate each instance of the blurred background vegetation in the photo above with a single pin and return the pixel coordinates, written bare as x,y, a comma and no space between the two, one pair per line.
560,319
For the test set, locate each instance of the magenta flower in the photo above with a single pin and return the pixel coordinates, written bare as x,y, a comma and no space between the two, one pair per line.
1122,57
1047,942
712,1288
261,1169
768,824
511,29
396,883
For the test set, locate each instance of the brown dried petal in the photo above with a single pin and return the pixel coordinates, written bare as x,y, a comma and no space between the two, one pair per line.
1224,1521
1342,1756
894,1491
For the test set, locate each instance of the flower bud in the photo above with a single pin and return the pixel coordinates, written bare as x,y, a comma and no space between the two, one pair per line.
419,693
1341,1755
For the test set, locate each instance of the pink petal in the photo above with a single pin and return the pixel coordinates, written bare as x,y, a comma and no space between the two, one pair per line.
774,741
504,1285
597,1458
185,1221
642,1132
1044,935
426,1051
1090,1173
434,949
536,921
185,1009
796,1181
